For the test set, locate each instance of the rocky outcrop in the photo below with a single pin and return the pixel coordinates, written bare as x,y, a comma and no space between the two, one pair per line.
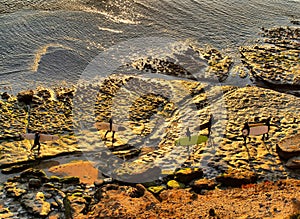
157,125
217,65
289,147
186,175
35,204
237,178
155,112
155,121
203,184
162,66
64,198
173,184
57,199
276,62
5,96
25,97
38,195
293,163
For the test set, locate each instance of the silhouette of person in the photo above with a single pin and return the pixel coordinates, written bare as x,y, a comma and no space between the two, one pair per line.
210,123
188,133
110,130
36,142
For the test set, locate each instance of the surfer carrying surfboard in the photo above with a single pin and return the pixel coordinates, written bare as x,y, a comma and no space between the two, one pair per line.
188,133
37,137
36,142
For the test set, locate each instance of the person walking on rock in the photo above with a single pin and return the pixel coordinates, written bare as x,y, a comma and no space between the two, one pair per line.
36,142
188,133
110,130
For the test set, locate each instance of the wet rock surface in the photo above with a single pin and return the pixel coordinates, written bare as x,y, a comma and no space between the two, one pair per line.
154,119
216,158
36,204
226,149
276,60
31,111
216,65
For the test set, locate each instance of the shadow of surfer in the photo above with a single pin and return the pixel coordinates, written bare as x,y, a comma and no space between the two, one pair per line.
110,130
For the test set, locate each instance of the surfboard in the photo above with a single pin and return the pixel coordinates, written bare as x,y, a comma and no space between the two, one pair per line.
258,130
195,139
105,126
256,124
43,137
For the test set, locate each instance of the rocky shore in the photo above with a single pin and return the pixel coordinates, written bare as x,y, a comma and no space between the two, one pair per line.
35,195
144,172
224,162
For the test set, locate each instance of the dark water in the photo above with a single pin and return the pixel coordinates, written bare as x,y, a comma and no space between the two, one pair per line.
49,42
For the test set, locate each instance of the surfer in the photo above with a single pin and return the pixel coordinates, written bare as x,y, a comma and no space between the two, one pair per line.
110,130
188,133
208,125
257,128
36,142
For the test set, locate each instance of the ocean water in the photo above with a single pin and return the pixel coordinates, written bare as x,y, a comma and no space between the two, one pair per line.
52,42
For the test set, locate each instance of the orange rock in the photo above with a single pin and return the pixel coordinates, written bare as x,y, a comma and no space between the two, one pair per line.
83,169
